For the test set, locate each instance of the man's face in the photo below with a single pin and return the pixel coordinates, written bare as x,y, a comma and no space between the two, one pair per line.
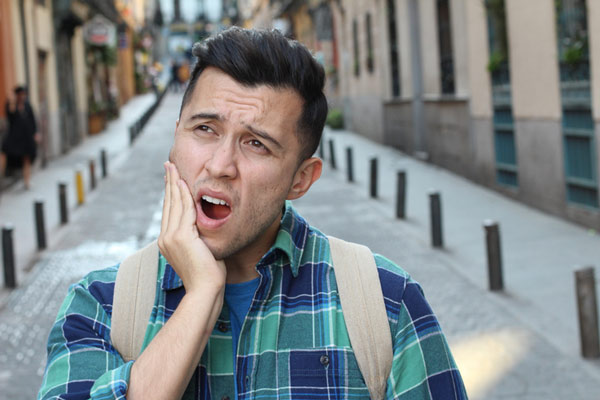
237,147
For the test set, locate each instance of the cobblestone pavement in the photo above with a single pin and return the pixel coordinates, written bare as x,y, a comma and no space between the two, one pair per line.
499,356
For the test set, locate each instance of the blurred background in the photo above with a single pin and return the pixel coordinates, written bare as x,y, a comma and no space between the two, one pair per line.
495,103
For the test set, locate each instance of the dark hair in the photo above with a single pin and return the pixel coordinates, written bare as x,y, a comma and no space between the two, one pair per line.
20,89
260,57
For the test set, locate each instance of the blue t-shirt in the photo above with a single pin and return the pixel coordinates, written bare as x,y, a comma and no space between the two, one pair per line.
238,297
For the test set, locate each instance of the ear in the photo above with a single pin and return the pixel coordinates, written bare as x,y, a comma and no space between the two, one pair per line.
307,174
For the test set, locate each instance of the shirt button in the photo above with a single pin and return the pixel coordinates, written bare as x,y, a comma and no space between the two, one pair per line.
247,380
225,398
324,360
222,327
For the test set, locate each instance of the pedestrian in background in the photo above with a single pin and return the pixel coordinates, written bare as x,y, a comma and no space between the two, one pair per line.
20,144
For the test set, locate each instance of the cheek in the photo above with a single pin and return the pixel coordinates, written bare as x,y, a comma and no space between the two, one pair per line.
185,159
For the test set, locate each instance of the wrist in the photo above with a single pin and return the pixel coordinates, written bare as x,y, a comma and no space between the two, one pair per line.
205,290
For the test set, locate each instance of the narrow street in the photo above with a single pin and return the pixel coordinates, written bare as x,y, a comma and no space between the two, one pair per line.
500,354
118,220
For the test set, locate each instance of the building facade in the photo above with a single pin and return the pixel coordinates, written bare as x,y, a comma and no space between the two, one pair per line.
28,57
502,92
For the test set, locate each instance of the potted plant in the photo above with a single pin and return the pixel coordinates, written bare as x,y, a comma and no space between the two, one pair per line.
96,117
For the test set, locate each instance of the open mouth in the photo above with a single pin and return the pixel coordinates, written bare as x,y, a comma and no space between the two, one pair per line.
215,208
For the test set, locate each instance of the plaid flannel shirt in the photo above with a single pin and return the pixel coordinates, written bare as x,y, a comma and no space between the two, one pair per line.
293,344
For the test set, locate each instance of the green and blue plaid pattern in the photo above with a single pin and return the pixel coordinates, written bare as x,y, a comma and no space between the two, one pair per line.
293,343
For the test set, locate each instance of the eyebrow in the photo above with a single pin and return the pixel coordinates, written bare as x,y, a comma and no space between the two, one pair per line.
258,132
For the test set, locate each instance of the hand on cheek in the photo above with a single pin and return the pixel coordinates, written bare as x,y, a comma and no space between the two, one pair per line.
179,240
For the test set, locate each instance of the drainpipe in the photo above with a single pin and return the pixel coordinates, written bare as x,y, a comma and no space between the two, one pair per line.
417,76
24,34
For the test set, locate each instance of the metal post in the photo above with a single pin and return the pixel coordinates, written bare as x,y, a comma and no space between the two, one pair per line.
92,175
40,227
103,162
435,207
349,164
494,255
332,154
373,185
587,308
8,257
321,151
62,201
401,195
79,187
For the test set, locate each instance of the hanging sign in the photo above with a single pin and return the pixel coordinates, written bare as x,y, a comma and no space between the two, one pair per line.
99,31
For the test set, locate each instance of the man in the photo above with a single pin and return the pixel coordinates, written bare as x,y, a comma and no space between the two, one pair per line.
265,321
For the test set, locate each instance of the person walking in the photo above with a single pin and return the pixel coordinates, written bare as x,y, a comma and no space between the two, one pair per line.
20,143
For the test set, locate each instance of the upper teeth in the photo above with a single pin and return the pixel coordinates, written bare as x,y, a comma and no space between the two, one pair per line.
214,200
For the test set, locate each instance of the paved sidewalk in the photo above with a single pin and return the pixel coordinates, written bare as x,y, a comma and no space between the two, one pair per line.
500,341
499,357
540,252
17,204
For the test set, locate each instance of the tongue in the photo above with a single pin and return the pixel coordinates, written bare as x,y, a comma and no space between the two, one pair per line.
215,211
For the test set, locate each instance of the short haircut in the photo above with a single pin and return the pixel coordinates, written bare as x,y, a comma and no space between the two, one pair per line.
20,89
261,57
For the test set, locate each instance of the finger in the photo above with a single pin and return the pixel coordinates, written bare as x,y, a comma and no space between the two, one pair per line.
188,217
166,202
175,206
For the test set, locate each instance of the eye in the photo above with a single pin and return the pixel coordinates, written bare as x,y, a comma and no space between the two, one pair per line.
258,145
204,128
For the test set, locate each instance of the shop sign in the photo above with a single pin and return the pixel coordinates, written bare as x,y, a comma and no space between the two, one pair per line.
99,31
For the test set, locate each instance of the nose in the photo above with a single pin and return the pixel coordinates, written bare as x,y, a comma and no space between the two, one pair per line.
222,163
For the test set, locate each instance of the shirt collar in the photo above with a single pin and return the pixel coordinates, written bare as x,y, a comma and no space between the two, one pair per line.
291,240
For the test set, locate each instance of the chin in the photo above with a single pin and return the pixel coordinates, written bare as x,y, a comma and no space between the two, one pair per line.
219,251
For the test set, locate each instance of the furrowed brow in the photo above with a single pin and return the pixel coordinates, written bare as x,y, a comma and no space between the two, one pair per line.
264,135
213,116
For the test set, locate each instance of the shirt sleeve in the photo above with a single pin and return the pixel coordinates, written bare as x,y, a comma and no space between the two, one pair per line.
82,363
423,366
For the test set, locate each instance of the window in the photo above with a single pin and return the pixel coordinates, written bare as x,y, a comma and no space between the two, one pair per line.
577,122
503,123
393,41
356,48
445,42
370,56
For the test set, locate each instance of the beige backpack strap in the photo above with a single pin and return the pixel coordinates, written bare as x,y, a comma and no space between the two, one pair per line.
135,290
364,312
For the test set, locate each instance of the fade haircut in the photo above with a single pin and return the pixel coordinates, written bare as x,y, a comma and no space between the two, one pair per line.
260,57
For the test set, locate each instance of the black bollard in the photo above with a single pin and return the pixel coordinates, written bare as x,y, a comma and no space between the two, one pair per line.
373,184
332,154
131,135
494,255
401,195
103,162
8,256
321,151
435,207
587,308
92,175
349,164
40,227
62,203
